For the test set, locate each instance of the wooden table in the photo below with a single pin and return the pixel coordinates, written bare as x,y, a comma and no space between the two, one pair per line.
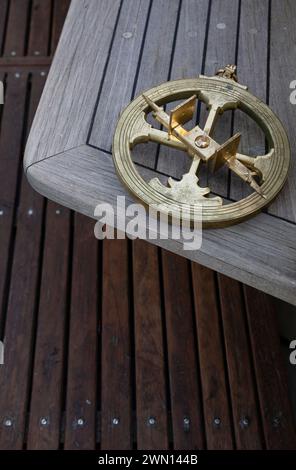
108,53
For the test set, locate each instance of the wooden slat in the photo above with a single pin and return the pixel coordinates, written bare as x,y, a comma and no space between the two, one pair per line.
60,9
252,71
249,252
116,392
271,375
15,373
221,50
47,389
82,100
81,400
216,406
149,349
282,73
186,401
3,14
155,61
240,371
187,62
10,151
15,41
120,78
39,36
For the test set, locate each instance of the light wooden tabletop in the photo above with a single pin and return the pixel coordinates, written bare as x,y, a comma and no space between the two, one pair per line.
108,53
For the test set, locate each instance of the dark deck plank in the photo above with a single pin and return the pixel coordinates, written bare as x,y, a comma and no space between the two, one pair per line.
252,71
216,406
149,349
15,40
271,376
39,37
46,396
3,18
60,9
21,309
116,393
11,141
247,423
186,401
83,369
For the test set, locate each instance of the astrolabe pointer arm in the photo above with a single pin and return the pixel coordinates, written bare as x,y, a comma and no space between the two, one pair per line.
244,173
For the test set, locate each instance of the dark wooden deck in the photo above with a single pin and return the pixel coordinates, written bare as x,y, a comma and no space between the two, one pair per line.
116,344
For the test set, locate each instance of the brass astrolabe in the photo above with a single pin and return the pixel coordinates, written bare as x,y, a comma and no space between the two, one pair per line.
265,174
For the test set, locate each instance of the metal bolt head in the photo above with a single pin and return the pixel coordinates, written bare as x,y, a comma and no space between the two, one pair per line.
42,74
244,422
80,421
1,211
17,75
217,422
202,141
115,421
7,422
151,421
30,212
186,421
44,421
13,53
36,53
276,421
58,212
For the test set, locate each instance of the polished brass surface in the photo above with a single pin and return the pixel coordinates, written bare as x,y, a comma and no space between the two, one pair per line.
265,174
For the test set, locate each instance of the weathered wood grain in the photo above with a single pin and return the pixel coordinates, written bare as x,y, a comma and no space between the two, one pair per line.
216,402
119,79
221,50
83,368
155,62
252,71
72,85
249,252
187,62
281,74
149,349
66,95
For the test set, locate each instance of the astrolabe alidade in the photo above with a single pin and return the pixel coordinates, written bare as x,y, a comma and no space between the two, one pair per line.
265,174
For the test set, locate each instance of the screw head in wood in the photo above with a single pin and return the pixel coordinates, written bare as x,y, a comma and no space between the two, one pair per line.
151,421
80,422
44,421
217,422
276,421
7,422
115,421
245,422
